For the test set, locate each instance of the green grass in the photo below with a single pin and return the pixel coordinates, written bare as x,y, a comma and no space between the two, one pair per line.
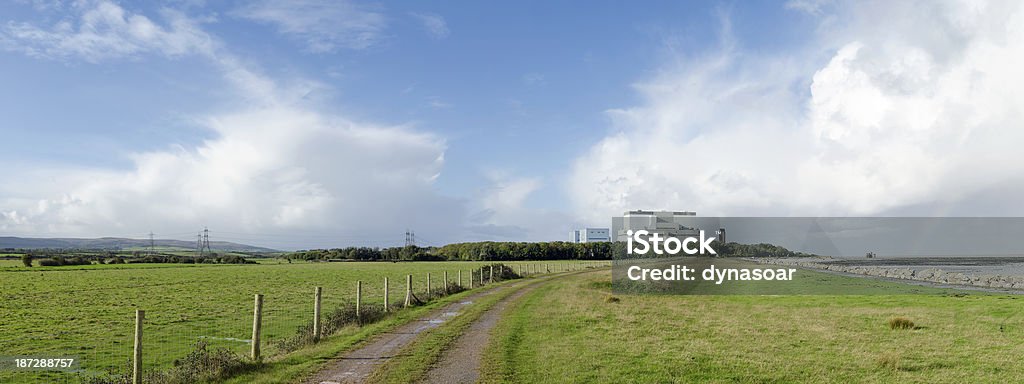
4,264
567,331
89,311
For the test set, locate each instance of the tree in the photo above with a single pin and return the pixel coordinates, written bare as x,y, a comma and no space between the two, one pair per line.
26,259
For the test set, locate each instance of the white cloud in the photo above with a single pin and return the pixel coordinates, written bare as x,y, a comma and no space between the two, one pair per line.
433,23
283,170
437,103
918,108
814,7
324,26
509,193
103,30
502,212
273,164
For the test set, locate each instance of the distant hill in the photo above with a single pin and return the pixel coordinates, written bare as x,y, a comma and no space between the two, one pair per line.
117,243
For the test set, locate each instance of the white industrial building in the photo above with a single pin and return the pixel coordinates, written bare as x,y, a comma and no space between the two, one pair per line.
590,235
665,223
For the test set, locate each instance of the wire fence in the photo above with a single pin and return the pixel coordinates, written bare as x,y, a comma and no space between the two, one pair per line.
194,320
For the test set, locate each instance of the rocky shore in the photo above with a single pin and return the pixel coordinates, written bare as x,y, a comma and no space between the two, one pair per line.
930,275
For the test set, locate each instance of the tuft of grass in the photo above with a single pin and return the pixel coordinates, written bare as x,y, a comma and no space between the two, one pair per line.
203,364
611,299
901,323
334,322
451,289
889,360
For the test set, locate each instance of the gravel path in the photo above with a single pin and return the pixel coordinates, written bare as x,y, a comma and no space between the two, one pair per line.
461,364
357,365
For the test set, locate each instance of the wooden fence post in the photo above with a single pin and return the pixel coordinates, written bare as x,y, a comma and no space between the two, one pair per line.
359,301
386,294
257,325
481,276
460,278
316,313
428,286
446,282
492,274
408,290
140,315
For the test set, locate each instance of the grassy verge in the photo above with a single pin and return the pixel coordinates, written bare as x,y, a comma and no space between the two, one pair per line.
572,330
415,360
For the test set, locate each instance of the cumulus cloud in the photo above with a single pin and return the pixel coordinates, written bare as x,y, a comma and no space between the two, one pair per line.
433,23
272,165
324,26
283,170
502,211
915,111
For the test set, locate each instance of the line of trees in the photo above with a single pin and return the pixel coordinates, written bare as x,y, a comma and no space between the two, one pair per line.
59,261
56,260
478,251
406,253
554,250
214,258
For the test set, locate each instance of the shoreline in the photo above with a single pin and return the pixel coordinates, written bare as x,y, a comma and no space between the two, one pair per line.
929,276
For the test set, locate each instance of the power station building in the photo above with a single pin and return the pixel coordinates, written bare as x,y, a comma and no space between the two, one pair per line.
590,235
665,223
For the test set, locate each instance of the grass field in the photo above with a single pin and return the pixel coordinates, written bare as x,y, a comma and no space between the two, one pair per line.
572,331
88,311
10,264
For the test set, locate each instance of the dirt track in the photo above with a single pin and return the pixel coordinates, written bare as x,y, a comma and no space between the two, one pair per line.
461,364
357,365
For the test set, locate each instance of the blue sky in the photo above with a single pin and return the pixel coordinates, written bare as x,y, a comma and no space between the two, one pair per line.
471,120
500,79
